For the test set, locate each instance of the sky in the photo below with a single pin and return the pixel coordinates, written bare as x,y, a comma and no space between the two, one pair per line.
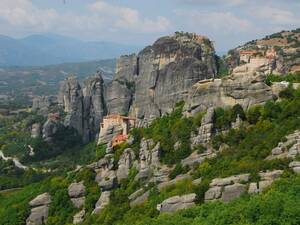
228,23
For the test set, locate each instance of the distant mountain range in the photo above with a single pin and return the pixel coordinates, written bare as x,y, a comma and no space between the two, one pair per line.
47,49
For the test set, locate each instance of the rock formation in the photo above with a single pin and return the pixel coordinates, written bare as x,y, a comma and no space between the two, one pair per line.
39,211
288,149
177,202
84,106
245,86
76,192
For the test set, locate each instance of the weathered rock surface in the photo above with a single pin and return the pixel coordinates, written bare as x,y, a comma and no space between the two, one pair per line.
195,158
93,106
78,202
227,189
149,158
232,191
295,166
76,190
43,104
38,215
102,202
43,199
39,212
84,106
139,199
71,98
205,131
36,130
79,217
50,128
245,86
177,203
288,149
125,163
174,181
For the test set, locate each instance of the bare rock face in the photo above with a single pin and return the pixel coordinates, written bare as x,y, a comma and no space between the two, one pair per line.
288,149
125,163
139,200
295,166
149,84
39,212
227,189
43,199
177,203
245,86
79,217
50,128
93,106
233,191
71,98
84,106
205,130
36,130
149,158
76,190
102,202
43,104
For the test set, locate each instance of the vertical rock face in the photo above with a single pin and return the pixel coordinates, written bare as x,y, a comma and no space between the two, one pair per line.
93,106
167,70
85,107
39,211
149,84
245,86
71,98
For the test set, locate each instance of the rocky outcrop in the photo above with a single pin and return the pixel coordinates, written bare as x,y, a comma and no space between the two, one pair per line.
227,189
76,192
39,211
50,129
197,158
93,106
36,130
106,177
295,166
205,131
102,202
79,217
149,158
43,104
139,200
84,105
288,149
266,179
125,163
245,86
176,203
71,98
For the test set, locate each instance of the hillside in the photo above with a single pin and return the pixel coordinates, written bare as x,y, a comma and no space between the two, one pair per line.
47,49
32,81
285,45
169,140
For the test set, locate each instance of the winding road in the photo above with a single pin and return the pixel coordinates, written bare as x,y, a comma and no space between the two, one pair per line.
15,160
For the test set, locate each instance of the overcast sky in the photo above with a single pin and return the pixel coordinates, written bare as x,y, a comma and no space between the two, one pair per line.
227,22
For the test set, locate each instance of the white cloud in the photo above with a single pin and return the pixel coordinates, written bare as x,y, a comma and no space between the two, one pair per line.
218,22
218,2
277,16
128,18
99,16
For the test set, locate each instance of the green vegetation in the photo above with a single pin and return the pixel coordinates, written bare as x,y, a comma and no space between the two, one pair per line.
294,78
262,128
